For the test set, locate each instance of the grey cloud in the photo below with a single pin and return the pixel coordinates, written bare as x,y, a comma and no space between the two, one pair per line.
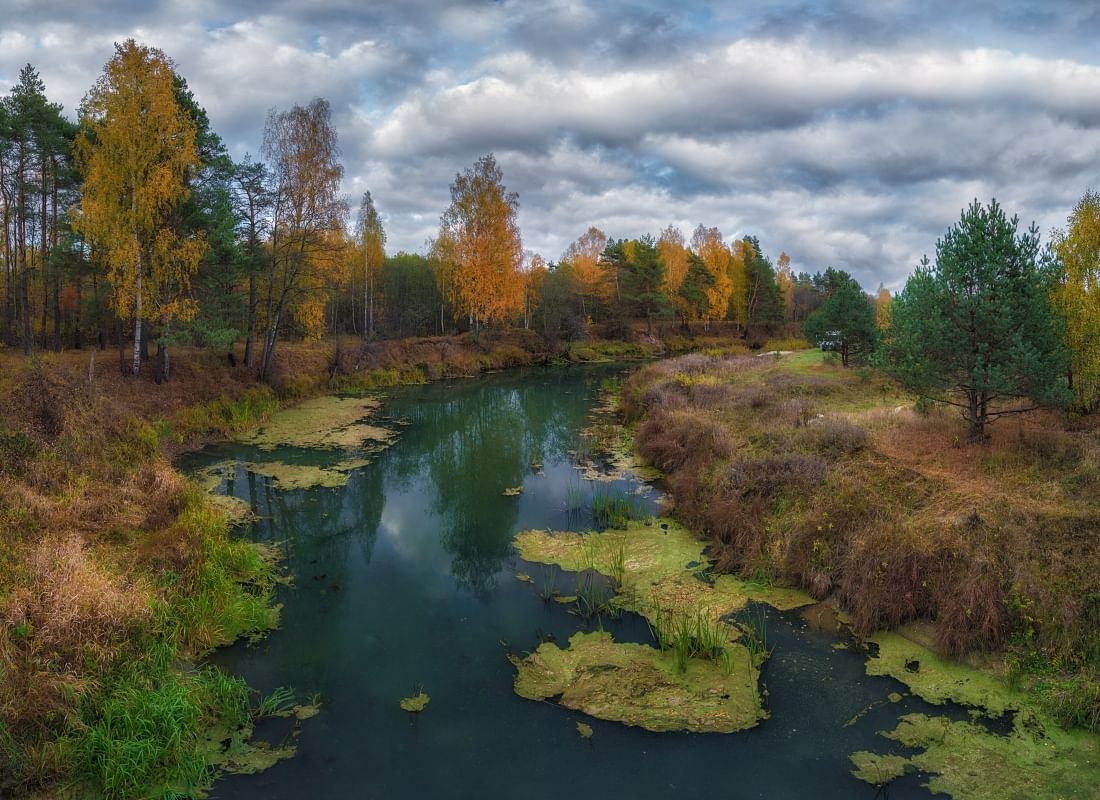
846,133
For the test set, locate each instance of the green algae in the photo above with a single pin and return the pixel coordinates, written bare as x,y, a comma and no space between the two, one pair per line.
659,566
320,423
967,762
937,679
415,704
290,477
661,573
639,685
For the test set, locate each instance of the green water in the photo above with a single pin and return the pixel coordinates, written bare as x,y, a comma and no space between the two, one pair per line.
406,578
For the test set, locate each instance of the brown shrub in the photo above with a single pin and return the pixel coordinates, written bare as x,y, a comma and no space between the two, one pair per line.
834,438
670,440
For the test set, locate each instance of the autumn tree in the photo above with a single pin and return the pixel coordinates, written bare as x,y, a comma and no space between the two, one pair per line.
691,299
443,261
1076,297
135,149
707,244
784,277
673,253
372,243
534,276
974,329
593,281
883,301
481,222
302,151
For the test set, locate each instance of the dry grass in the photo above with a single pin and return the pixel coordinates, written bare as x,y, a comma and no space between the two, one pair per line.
826,477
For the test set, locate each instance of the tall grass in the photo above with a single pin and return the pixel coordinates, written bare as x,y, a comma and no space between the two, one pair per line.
615,508
689,636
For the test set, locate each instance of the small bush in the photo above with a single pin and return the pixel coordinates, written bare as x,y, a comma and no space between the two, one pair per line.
835,438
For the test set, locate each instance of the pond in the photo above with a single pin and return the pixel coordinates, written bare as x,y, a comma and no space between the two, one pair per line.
405,577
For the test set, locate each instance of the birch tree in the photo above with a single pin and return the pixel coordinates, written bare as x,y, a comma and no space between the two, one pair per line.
135,149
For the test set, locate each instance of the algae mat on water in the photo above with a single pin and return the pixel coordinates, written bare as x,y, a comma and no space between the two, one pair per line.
967,762
323,422
661,573
1037,759
333,429
660,566
640,685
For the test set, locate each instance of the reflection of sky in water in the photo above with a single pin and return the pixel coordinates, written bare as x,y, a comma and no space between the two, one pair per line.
406,577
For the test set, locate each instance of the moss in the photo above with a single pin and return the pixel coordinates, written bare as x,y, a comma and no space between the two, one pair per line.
967,762
323,422
937,679
639,685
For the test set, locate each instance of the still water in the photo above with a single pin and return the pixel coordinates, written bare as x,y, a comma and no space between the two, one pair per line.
405,578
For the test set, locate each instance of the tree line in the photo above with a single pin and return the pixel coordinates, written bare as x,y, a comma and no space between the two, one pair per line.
134,227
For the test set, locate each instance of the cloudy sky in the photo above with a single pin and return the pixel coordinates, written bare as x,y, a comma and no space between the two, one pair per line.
847,133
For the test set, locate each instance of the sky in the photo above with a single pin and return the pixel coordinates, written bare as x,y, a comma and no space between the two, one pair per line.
847,134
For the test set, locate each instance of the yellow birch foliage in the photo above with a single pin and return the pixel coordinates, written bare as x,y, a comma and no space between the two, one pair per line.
674,255
135,149
739,281
708,245
784,276
482,223
584,254
1077,296
883,301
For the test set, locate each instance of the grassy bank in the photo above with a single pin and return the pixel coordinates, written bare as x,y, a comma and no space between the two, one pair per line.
803,472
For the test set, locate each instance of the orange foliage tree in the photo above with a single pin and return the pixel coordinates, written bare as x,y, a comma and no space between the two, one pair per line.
481,222
708,245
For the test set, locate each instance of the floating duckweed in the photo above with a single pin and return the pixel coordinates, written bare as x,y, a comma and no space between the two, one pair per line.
584,730
658,565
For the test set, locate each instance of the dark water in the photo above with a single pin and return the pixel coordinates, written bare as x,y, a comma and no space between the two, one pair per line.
405,577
